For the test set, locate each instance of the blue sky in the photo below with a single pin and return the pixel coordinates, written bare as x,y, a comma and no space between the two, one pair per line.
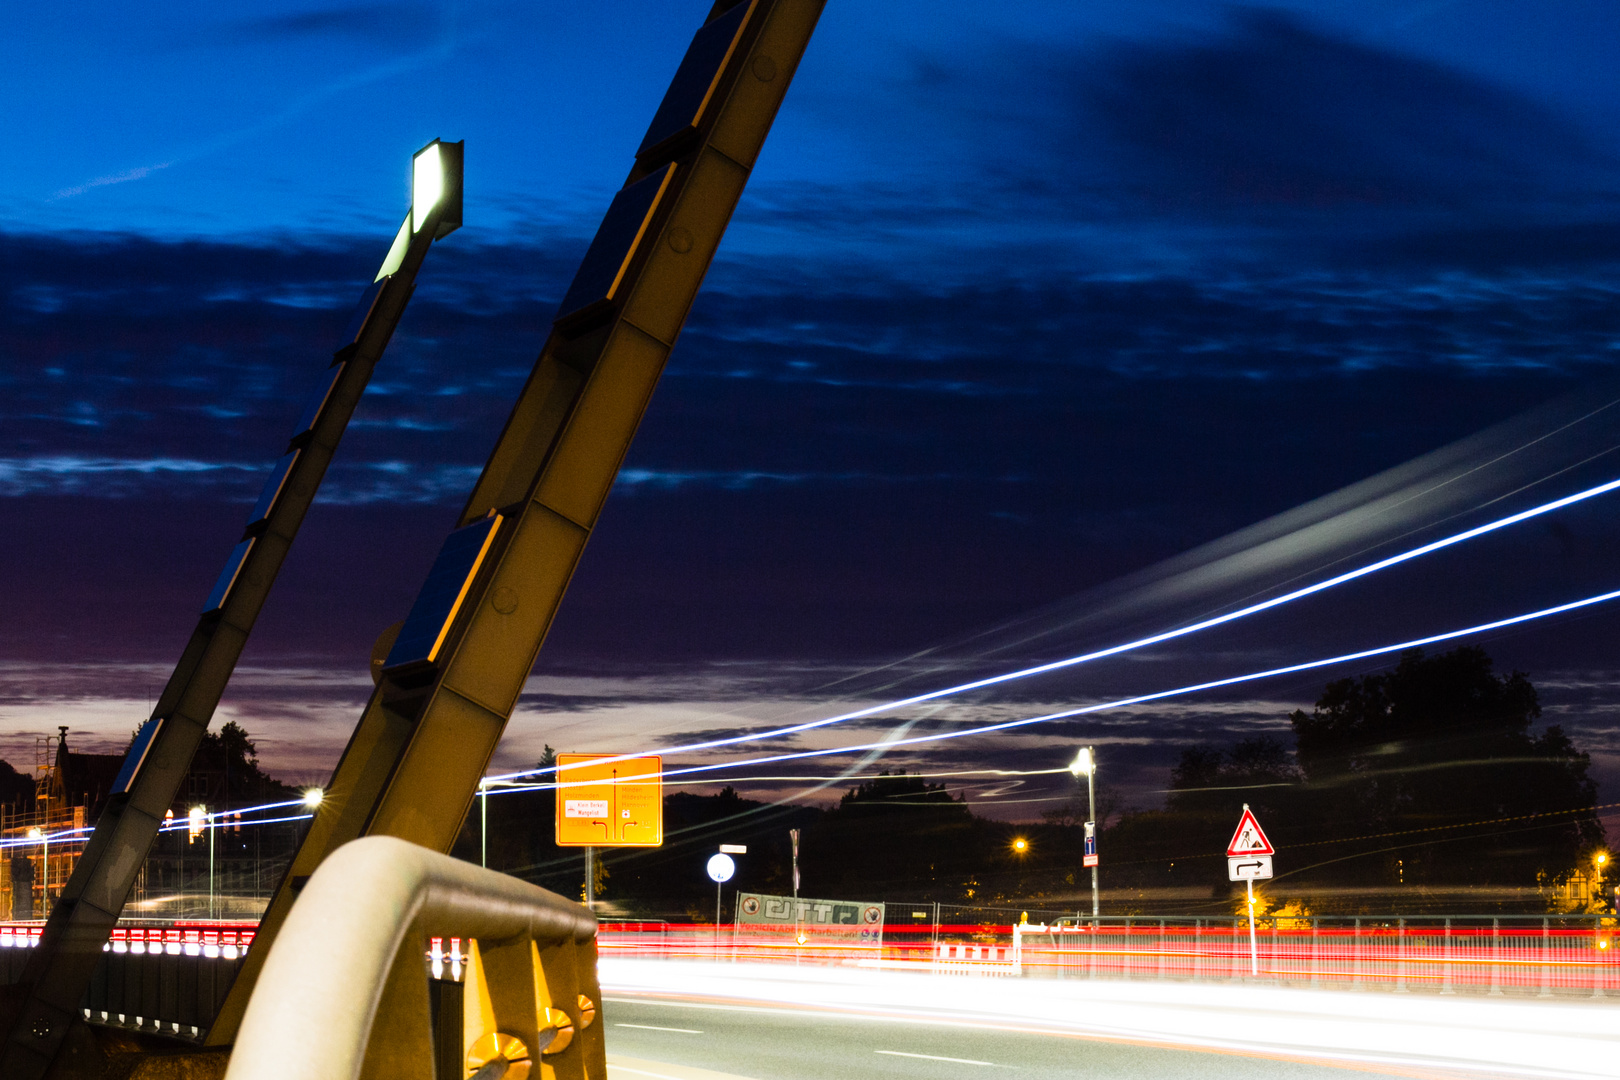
1018,300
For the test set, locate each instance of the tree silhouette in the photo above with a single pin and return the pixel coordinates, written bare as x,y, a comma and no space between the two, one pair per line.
1444,744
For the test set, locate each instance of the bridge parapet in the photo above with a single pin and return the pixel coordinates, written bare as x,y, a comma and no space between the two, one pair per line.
345,990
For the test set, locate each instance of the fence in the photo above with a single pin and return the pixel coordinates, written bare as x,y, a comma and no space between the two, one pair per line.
1506,955
172,977
169,978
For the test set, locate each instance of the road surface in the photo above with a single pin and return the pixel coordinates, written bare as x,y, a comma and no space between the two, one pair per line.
695,1021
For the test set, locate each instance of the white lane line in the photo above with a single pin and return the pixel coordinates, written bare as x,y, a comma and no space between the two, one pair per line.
936,1057
640,1072
650,1027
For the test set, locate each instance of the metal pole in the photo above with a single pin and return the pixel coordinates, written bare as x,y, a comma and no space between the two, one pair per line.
1254,950
590,878
1091,809
208,821
483,829
798,928
717,887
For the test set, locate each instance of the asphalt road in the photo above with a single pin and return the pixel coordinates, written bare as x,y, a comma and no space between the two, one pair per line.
680,1039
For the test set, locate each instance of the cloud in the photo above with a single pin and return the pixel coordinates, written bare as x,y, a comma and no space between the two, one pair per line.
395,22
104,181
1272,142
1280,114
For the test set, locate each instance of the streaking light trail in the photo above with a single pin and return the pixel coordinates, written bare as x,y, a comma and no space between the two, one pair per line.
1139,643
1139,699
217,821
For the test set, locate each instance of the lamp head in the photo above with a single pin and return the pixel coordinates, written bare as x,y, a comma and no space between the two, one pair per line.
313,797
436,185
1020,845
1083,763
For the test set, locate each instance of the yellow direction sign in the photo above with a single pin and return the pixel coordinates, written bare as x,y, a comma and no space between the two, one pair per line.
605,801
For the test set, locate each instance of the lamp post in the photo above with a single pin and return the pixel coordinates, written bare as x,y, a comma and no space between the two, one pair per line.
1086,762
45,857
198,820
483,823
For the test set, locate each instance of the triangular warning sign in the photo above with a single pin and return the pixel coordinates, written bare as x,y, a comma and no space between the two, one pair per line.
1249,840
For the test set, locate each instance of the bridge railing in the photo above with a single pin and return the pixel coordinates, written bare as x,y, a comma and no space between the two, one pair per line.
346,990
1518,955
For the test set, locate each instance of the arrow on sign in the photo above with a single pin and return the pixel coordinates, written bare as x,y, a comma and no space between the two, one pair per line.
1249,839
1250,868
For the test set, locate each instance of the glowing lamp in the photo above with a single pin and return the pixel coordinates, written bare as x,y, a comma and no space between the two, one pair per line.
436,185
313,797
1082,764
427,184
1020,845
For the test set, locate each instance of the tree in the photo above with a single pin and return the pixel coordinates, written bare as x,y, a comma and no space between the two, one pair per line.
897,835
229,759
1258,770
1445,745
16,789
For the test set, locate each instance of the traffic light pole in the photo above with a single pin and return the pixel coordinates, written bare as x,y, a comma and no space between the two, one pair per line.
45,1003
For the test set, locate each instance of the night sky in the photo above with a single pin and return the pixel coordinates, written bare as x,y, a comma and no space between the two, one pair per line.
1020,300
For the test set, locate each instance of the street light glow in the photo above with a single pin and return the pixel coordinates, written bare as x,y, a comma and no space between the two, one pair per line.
427,184
312,797
1082,762
1020,845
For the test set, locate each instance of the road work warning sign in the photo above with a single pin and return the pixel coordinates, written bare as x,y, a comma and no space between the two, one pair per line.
1249,839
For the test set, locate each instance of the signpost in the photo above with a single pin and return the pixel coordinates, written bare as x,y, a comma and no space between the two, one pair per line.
720,868
1091,844
607,802
1248,857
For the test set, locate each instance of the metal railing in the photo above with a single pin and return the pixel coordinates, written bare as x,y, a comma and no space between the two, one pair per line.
346,992
158,976
1565,956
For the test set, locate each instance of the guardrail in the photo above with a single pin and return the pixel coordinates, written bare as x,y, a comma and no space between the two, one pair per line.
1564,956
345,991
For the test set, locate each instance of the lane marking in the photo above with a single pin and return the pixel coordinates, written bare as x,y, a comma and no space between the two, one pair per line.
936,1057
641,1072
652,1027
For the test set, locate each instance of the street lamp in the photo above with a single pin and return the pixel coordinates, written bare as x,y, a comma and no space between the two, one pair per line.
1086,762
312,798
201,819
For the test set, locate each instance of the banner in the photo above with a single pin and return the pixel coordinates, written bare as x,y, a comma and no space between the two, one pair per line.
842,922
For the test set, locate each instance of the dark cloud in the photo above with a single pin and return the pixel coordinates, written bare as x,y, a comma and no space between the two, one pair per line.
1274,144
828,472
1283,115
394,22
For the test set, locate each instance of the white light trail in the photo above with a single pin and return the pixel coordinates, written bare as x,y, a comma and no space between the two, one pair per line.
1160,695
217,822
1115,650
788,779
